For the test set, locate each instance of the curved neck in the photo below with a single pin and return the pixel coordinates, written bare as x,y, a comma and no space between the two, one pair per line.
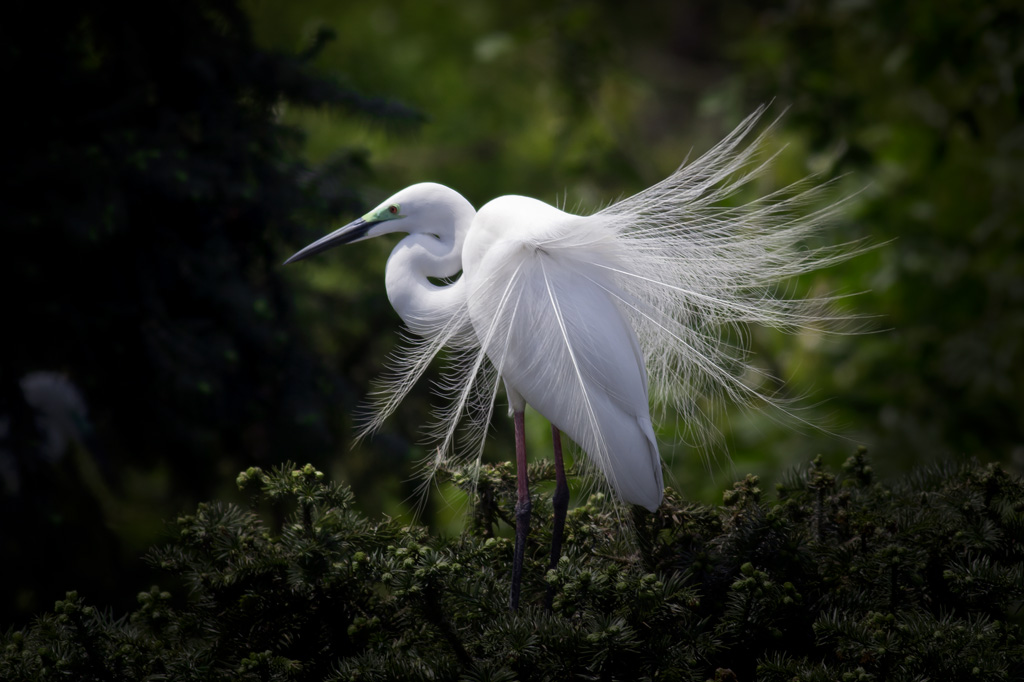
435,251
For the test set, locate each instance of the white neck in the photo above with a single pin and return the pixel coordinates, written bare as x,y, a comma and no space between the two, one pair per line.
434,250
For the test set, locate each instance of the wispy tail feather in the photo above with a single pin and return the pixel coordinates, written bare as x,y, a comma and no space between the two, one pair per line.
686,271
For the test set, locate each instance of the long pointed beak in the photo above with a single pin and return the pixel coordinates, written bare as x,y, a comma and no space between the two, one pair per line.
352,232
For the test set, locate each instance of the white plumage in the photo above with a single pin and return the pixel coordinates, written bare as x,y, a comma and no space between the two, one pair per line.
543,301
591,319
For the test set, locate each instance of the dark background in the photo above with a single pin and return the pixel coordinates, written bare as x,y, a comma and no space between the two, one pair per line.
160,163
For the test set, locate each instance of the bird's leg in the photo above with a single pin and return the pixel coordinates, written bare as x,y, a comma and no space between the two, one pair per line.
523,506
560,500
560,504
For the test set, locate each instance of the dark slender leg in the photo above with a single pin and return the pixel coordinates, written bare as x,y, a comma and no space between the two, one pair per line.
523,506
560,503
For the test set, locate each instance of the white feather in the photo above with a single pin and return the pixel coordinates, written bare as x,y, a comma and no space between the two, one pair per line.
580,314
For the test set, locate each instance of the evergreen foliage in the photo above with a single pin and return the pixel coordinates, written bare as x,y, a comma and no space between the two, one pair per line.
839,578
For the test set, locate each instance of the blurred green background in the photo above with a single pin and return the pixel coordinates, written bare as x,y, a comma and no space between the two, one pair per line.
162,162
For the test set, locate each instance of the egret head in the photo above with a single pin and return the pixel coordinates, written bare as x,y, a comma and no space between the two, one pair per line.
426,208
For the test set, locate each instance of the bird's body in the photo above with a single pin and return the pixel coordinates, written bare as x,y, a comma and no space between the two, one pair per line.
541,301
587,318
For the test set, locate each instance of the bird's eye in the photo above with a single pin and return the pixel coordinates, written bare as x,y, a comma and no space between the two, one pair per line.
393,209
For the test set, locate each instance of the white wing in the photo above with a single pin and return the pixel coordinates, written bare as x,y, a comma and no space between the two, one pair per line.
542,299
570,310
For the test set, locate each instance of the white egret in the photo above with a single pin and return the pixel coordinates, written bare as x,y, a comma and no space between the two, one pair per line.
578,315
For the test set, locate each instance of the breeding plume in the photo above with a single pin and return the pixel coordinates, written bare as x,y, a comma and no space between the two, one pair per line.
591,319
